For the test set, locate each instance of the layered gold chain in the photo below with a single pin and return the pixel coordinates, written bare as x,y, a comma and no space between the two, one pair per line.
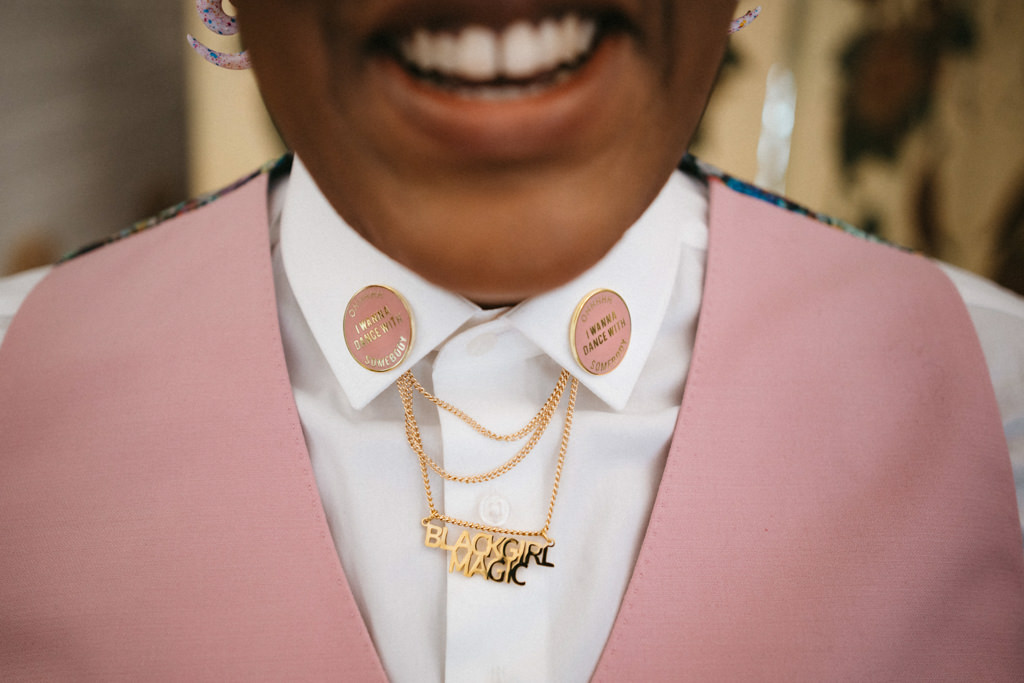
407,385
546,410
538,425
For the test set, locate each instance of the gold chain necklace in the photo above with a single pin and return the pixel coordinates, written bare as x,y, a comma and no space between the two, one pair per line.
547,409
538,424
496,559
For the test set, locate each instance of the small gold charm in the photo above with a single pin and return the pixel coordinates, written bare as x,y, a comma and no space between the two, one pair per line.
496,558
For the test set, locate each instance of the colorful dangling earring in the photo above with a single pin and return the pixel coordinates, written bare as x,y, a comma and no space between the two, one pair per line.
217,20
737,24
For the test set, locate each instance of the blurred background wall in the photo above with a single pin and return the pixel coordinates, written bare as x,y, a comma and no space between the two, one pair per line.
92,126
905,117
107,116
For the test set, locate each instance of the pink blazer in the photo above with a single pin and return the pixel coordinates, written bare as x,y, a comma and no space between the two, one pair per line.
837,502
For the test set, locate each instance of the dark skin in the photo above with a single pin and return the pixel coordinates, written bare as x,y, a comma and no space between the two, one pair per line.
497,201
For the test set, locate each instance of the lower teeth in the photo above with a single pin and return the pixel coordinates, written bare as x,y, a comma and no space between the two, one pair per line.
508,91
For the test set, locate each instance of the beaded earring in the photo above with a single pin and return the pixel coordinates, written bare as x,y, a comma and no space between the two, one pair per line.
737,24
217,20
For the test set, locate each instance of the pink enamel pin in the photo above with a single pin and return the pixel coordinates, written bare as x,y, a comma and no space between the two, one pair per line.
378,328
600,332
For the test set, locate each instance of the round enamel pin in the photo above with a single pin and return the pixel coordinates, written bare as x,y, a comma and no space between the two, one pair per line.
378,328
600,331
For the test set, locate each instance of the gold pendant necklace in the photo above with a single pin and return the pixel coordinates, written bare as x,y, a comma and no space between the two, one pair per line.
493,552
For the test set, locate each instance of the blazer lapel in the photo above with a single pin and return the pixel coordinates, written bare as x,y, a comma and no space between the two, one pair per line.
185,535
836,504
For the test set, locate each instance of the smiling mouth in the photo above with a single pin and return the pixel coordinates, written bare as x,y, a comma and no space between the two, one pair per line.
522,59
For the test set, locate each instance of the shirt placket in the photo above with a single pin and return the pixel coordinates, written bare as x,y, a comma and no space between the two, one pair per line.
492,372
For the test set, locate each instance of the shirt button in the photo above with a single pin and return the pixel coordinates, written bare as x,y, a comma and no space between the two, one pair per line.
494,509
482,344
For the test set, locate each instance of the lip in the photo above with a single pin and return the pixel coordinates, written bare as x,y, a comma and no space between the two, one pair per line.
536,124
439,15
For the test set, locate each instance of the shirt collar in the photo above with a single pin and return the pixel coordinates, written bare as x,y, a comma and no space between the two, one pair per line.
641,268
327,262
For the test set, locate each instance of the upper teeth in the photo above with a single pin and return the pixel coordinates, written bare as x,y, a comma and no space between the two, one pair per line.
520,51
